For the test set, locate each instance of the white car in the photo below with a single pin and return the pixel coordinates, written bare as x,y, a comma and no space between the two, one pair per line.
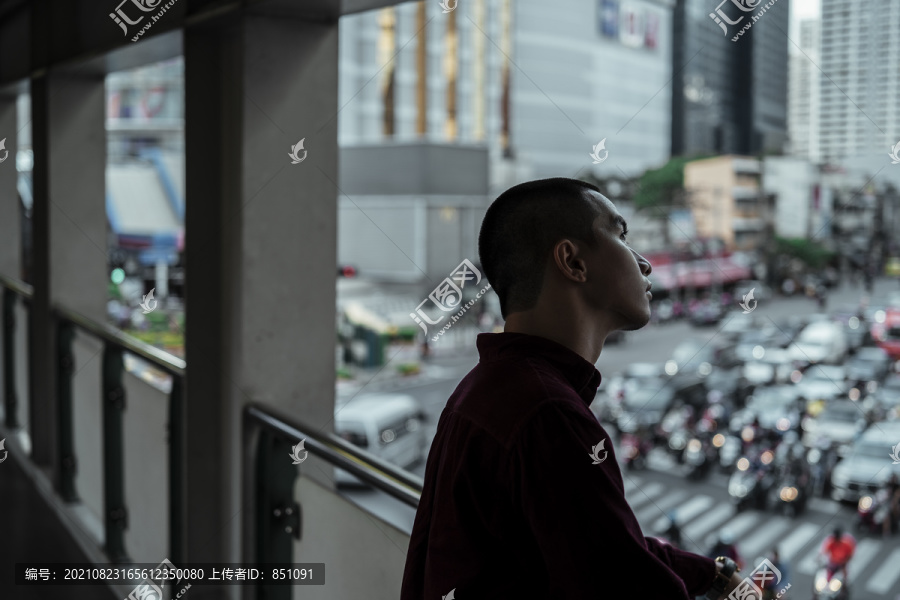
838,424
820,342
390,426
869,463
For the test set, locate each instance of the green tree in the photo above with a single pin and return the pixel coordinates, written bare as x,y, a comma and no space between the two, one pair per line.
663,186
810,252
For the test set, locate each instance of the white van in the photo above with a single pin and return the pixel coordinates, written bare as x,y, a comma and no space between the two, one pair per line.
390,426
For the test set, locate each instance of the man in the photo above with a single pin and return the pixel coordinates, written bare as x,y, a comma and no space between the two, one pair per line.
523,497
892,488
838,548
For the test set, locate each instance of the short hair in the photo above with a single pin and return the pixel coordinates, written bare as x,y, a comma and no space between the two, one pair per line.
520,229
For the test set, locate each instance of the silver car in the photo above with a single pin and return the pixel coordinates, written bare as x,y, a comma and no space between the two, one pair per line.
869,464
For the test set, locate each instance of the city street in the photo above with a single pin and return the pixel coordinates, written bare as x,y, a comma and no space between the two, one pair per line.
703,508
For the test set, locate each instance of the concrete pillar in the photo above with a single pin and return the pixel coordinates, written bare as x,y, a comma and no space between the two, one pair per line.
260,251
10,223
69,227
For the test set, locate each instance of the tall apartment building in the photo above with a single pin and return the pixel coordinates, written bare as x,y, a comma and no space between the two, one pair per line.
804,92
858,113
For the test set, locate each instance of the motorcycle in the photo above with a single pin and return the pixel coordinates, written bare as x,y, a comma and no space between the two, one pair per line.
790,494
751,484
830,584
872,511
729,451
697,459
635,451
821,461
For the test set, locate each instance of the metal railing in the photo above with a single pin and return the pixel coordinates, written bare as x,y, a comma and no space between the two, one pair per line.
115,343
12,289
278,517
277,520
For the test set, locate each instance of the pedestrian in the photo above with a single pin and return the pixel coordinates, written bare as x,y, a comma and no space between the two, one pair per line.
523,497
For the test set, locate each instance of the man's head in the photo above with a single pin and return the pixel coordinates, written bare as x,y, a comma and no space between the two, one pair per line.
837,533
563,237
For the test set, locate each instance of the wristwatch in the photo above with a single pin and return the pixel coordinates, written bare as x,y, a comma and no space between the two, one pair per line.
723,577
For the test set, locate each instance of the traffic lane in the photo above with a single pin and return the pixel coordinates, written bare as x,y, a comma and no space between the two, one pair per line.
654,493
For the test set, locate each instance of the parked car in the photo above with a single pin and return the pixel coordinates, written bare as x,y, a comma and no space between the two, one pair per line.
738,323
822,383
697,357
886,399
857,333
838,424
706,313
774,407
867,465
645,406
870,363
752,345
819,342
761,291
887,333
773,366
390,426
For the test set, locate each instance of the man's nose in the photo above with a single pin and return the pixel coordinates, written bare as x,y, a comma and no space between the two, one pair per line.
646,267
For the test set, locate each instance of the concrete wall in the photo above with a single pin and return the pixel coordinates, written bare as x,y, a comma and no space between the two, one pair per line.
792,180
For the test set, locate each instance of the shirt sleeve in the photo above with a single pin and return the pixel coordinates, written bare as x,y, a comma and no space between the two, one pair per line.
591,542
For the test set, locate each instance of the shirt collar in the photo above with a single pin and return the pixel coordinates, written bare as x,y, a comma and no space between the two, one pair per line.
581,374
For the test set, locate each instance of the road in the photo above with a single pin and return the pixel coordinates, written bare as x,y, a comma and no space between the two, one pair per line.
660,489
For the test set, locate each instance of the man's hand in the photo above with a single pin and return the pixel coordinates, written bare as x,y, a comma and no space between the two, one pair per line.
733,583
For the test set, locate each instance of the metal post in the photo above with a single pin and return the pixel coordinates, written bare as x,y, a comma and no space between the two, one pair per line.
66,447
278,519
176,471
115,513
11,403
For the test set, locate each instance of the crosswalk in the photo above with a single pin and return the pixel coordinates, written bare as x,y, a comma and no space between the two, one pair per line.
875,566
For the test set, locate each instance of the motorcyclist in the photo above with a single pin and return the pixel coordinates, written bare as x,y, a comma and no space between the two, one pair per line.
673,533
839,548
893,502
771,585
725,546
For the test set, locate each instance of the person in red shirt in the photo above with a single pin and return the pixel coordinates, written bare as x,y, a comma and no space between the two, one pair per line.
839,548
523,497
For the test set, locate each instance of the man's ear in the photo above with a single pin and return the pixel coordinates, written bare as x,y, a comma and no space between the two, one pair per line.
568,262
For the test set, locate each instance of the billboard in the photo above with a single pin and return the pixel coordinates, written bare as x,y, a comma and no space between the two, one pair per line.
631,24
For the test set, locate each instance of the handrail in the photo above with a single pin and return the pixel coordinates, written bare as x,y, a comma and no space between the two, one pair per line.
382,475
164,360
25,290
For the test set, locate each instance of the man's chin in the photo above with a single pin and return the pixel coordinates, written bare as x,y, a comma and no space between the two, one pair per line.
636,322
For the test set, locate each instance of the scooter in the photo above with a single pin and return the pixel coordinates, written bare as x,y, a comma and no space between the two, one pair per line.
789,494
697,459
750,484
635,451
872,511
729,452
830,584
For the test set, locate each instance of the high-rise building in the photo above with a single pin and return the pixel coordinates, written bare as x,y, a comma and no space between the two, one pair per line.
729,86
803,92
527,87
538,82
859,114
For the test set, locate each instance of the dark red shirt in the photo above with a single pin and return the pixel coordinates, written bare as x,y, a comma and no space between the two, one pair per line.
513,505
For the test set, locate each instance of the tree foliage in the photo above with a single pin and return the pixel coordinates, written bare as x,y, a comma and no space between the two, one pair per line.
809,252
662,186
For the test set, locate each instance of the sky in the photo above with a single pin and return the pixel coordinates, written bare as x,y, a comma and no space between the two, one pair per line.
801,9
804,8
